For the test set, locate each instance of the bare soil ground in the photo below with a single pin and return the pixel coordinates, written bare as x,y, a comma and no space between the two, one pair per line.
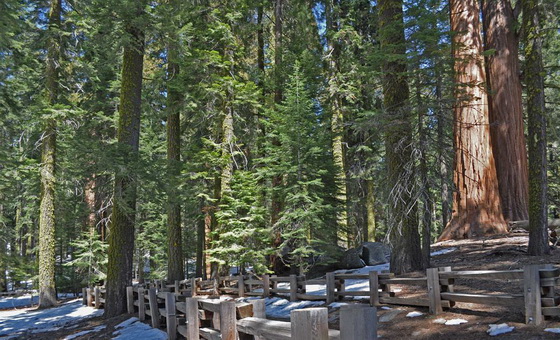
494,253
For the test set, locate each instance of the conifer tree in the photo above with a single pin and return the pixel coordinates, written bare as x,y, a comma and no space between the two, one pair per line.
121,235
406,252
47,290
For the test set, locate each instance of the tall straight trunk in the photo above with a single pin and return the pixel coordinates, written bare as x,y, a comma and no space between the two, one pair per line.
260,47
175,265
121,232
406,252
476,200
47,289
277,201
344,235
506,108
425,194
534,70
442,150
90,198
370,227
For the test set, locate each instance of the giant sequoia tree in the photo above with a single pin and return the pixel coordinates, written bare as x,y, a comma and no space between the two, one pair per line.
47,291
505,107
476,200
406,252
121,234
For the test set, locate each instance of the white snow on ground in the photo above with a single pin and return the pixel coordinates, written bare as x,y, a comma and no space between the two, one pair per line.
26,300
133,329
281,308
552,330
15,322
414,314
20,301
499,329
455,322
443,251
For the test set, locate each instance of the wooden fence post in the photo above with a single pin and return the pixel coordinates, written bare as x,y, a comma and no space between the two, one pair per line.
259,308
89,297
84,296
154,309
141,304
532,294
193,286
330,288
97,293
266,285
171,319
293,287
310,324
193,323
373,288
434,292
130,299
228,320
358,322
241,286
259,311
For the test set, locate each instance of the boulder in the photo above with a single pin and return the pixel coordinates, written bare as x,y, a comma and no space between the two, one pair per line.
351,259
374,253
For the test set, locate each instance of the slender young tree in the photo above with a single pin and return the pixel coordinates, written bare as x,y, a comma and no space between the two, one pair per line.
476,200
47,290
406,252
121,235
506,108
534,70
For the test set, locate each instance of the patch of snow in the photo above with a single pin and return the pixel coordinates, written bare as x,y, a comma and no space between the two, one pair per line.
414,314
16,322
93,330
20,301
440,321
338,304
455,322
443,251
552,330
386,308
133,329
497,329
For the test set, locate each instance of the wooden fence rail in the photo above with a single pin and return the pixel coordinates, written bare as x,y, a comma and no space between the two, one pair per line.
538,284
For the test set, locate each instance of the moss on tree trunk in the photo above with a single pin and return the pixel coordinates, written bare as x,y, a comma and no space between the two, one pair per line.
121,234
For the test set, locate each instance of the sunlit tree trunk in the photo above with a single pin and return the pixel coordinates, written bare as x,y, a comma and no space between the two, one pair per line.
121,232
175,265
534,70
476,200
47,290
344,235
506,108
406,252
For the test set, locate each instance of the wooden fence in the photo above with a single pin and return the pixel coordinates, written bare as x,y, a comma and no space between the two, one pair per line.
538,294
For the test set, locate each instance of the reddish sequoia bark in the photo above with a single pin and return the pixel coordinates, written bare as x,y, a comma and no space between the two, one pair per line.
476,200
506,108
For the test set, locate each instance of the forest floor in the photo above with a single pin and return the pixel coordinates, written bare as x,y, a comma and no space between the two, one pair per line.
398,322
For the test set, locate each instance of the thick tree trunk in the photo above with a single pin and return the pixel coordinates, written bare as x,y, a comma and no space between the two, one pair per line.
121,233
506,108
476,200
47,290
175,265
534,70
406,254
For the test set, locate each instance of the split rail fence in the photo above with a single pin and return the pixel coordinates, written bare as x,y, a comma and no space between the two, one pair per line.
539,293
